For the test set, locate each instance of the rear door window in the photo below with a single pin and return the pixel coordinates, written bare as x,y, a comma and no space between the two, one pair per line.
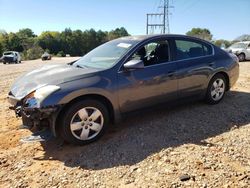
186,49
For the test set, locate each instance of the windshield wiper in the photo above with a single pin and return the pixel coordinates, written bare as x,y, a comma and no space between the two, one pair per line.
78,66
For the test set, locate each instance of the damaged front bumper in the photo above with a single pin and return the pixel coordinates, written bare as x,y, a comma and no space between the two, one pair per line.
35,118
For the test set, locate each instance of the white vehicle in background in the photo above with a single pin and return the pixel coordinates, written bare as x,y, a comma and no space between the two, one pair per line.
241,49
11,57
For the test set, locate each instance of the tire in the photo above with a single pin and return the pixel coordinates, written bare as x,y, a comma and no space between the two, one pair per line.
4,63
77,125
216,89
242,57
20,62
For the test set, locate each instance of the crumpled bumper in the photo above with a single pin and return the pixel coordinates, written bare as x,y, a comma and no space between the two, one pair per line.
35,118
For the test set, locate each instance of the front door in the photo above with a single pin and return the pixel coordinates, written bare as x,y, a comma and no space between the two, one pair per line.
153,84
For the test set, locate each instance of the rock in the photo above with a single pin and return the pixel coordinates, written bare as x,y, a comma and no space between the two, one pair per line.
185,177
234,127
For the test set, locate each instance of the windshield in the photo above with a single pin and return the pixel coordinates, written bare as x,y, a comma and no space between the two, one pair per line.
239,45
8,53
106,55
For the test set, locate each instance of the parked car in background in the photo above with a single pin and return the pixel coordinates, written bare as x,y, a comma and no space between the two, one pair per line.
241,49
79,100
46,56
11,57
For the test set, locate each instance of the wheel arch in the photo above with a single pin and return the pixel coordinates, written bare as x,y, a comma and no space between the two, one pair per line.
243,54
97,97
226,76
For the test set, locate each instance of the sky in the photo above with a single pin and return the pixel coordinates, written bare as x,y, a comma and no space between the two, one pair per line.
226,19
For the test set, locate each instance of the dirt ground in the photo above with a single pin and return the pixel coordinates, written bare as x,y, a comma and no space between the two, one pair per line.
190,145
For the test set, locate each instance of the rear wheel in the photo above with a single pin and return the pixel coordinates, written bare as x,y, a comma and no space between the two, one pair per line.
84,122
241,57
216,89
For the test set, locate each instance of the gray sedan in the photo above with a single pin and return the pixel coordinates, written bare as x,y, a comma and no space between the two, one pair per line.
79,100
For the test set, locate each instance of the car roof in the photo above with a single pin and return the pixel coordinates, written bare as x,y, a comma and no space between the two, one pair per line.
145,37
11,52
245,42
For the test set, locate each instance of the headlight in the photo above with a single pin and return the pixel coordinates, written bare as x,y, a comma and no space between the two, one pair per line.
35,98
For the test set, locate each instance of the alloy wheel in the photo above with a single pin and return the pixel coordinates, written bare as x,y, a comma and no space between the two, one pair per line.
86,123
218,89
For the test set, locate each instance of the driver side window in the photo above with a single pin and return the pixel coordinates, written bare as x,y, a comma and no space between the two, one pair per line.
153,53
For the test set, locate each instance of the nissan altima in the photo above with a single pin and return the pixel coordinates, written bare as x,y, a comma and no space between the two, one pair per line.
79,100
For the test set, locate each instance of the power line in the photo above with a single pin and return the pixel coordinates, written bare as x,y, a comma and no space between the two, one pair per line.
163,25
189,6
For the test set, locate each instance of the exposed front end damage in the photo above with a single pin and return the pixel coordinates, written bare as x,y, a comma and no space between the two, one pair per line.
35,119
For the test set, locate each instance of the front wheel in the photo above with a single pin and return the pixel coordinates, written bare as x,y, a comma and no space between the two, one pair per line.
216,89
84,122
241,57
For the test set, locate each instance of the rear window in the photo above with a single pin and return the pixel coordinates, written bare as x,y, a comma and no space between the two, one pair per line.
189,49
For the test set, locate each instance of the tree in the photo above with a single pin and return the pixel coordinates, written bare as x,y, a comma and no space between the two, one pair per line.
118,32
26,33
220,42
34,53
243,38
3,41
1,49
200,33
75,43
14,43
50,40
27,37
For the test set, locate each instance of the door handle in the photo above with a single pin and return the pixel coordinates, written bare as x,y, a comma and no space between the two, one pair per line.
171,73
211,64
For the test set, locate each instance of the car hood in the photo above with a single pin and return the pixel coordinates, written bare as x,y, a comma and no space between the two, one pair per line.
236,49
47,75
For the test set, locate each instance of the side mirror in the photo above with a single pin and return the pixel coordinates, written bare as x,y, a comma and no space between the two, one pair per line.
134,64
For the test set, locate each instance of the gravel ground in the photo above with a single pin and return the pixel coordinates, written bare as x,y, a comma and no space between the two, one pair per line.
189,145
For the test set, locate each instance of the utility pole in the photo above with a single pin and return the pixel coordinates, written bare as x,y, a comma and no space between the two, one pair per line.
164,17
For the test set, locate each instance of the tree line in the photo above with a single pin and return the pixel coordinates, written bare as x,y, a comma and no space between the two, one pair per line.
205,34
75,43
78,42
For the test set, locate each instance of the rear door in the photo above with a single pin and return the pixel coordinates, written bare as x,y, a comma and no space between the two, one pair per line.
195,61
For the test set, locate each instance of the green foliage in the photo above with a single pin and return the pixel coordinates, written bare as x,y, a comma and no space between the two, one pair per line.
119,32
201,33
243,38
26,33
61,54
75,43
1,49
220,43
14,42
27,37
50,40
33,53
